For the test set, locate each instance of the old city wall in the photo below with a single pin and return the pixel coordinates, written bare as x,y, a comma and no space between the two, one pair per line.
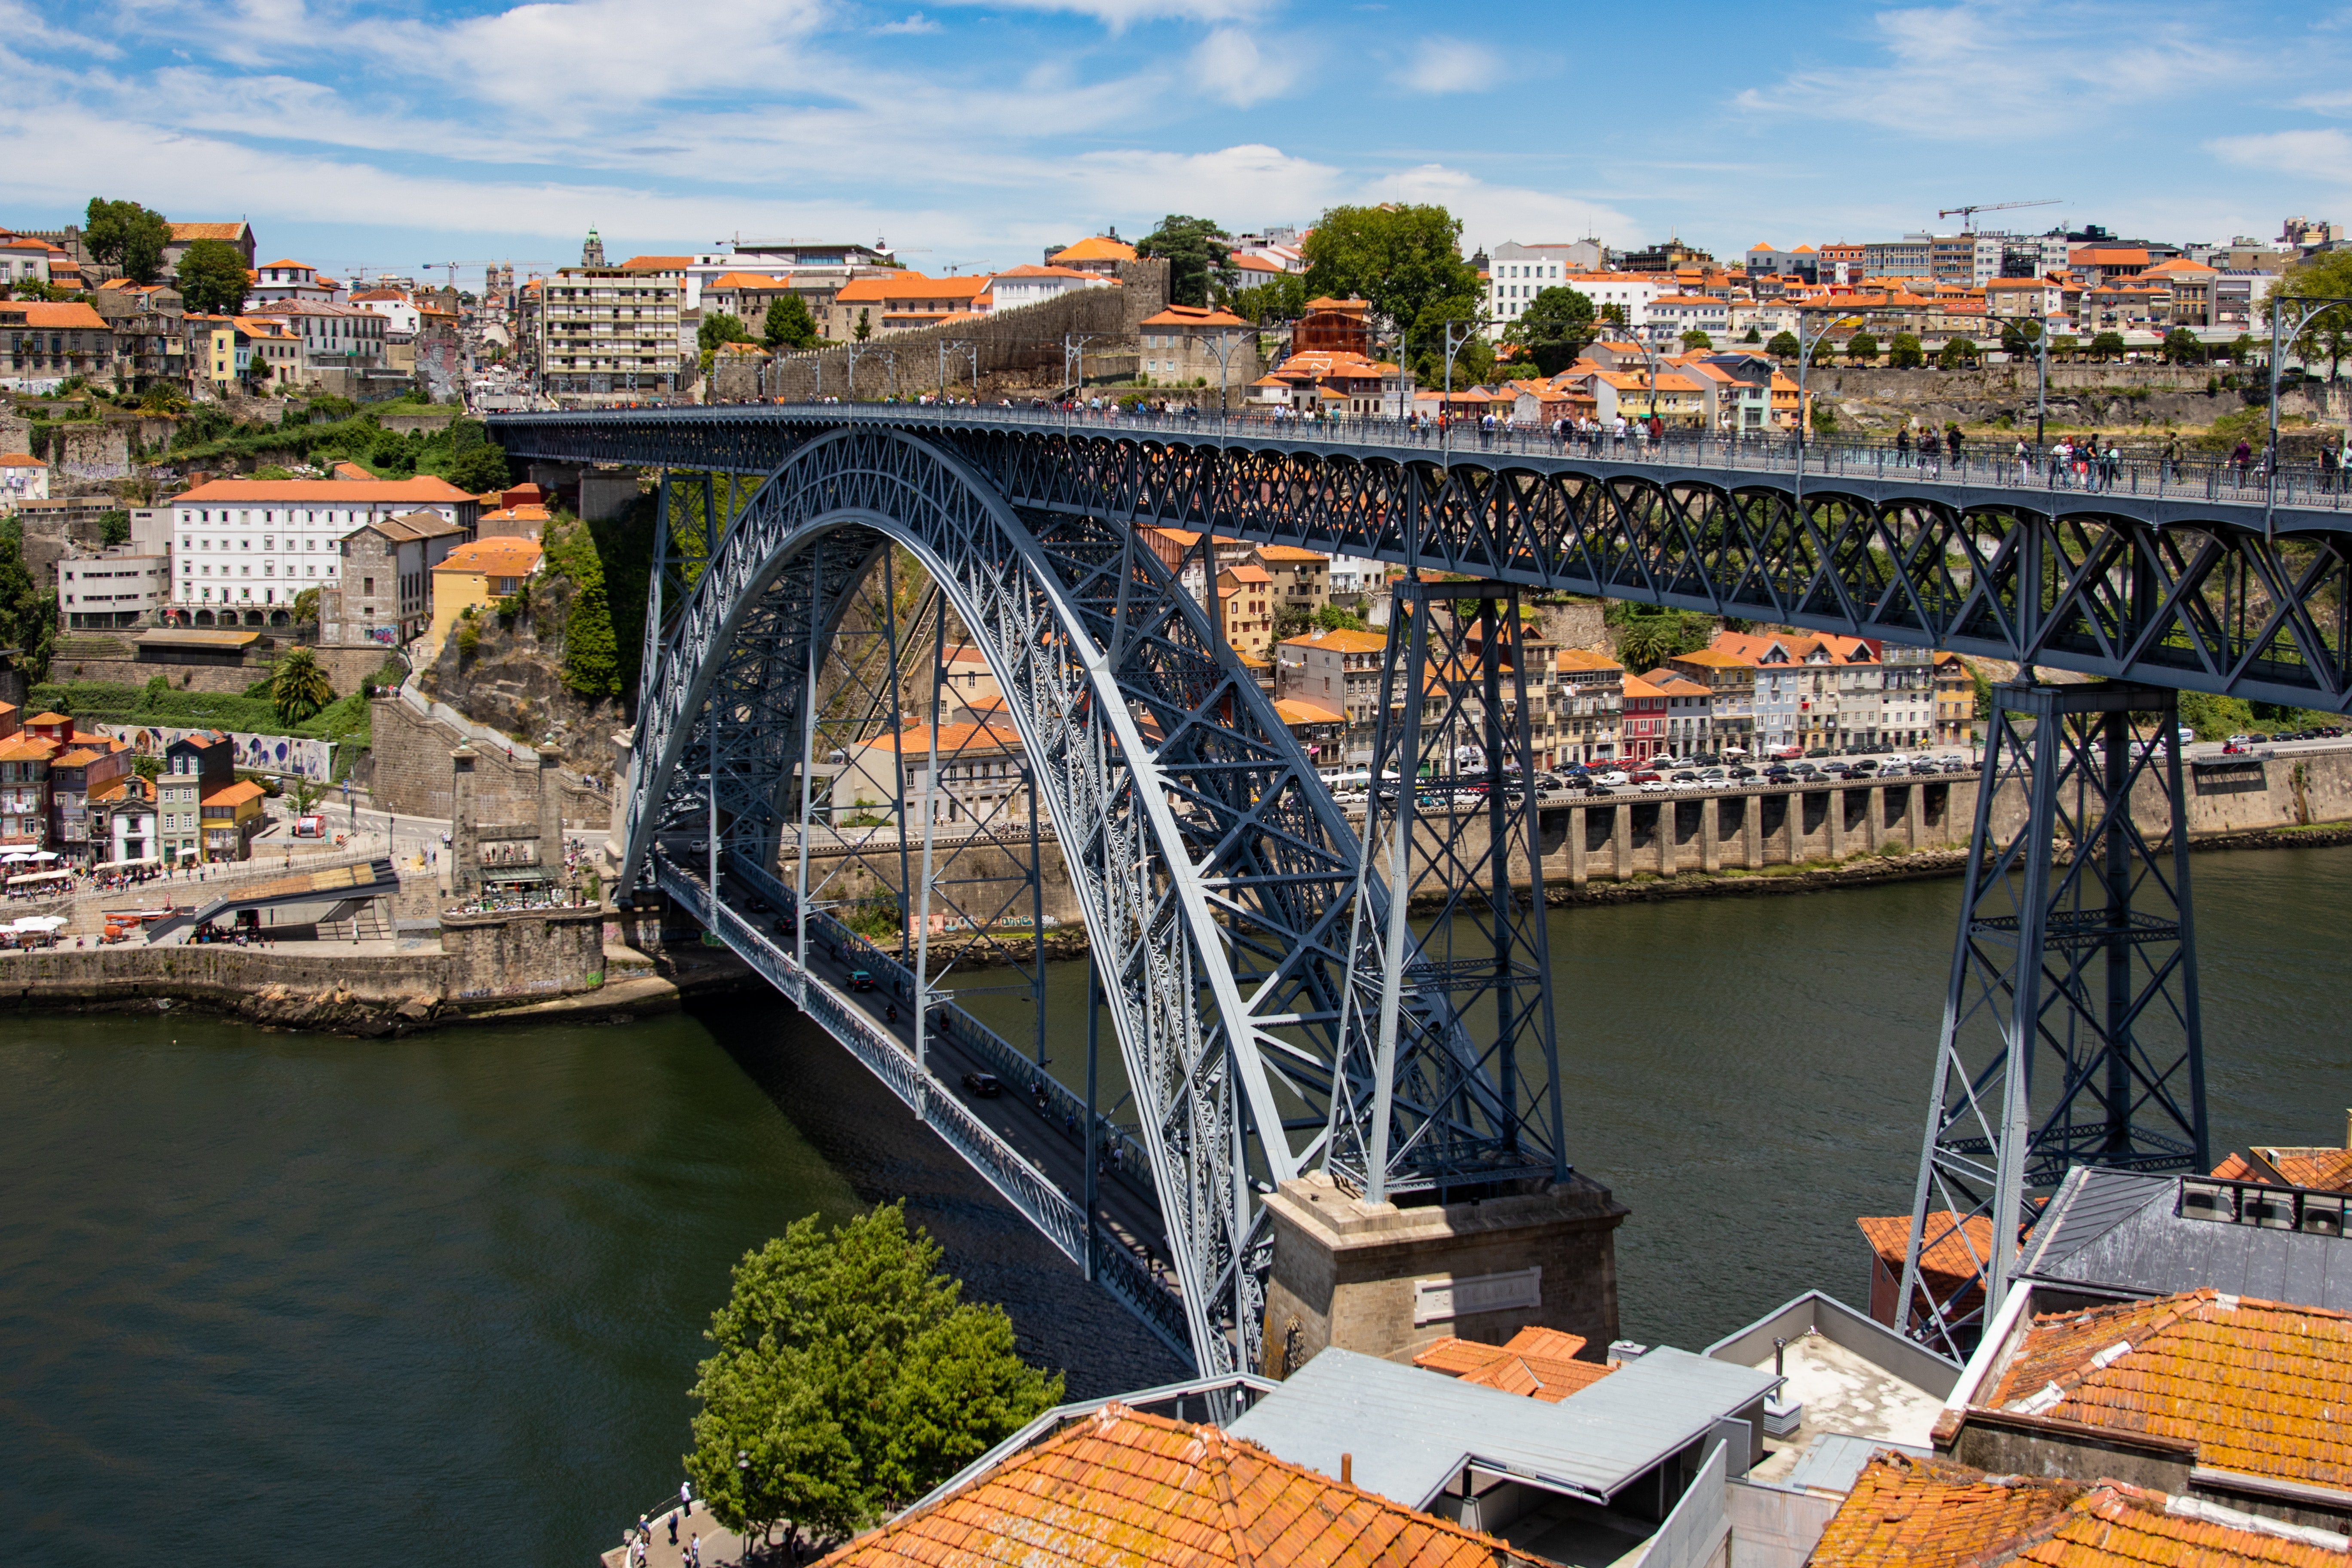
1018,348
410,753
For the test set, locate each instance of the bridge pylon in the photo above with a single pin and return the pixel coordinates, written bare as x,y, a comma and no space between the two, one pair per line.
2070,1032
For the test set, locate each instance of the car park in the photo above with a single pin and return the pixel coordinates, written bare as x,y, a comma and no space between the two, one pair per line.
1956,766
1894,769
1835,770
1866,765
1777,774
1682,777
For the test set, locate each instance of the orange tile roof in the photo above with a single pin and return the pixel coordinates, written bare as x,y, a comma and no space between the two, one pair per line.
1715,658
1585,658
657,263
909,286
1535,1363
52,717
2253,1387
194,231
1954,1252
1247,573
2329,1170
952,738
20,461
1908,1512
27,749
1122,1487
236,794
1192,316
494,558
1294,710
745,280
1288,552
324,492
1096,249
72,317
1344,641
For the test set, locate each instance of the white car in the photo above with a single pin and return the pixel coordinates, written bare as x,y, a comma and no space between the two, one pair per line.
1655,786
1898,761
1611,780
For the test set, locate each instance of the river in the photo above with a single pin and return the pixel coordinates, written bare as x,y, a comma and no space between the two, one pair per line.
300,1296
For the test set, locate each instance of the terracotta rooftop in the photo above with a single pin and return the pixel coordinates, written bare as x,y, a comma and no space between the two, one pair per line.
1906,1512
1535,1364
2253,1387
1123,1488
1097,248
323,492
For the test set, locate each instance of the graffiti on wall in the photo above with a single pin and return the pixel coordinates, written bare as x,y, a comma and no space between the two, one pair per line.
301,756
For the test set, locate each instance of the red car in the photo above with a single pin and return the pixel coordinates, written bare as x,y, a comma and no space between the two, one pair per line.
1646,775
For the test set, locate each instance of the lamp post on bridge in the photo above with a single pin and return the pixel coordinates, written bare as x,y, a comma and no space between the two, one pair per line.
961,346
2308,308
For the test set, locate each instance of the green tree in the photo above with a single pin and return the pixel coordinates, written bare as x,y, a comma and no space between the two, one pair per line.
1784,345
1406,261
478,468
2181,347
1291,621
1198,257
1957,354
1332,618
592,652
1280,299
788,324
1553,329
1907,353
128,235
848,1377
1647,639
719,327
2327,273
1753,335
302,793
2063,344
299,685
1824,419
1695,340
2243,350
306,606
2107,345
1862,349
210,280
28,617
2021,339
114,527
864,327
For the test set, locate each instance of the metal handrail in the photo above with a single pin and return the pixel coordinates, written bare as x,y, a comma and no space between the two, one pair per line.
2142,475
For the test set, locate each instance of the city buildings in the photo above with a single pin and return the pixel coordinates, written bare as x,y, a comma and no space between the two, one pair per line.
124,586
194,766
1339,672
898,302
607,333
1517,273
22,478
48,343
1185,343
1587,706
242,549
383,593
472,578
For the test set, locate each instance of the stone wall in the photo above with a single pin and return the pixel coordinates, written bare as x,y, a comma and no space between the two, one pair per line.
101,451
522,953
410,753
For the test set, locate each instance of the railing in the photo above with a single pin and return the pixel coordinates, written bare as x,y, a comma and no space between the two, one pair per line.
1021,1185
1133,1166
2140,475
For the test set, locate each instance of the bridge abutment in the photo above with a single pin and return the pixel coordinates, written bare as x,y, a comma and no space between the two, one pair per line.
1390,1280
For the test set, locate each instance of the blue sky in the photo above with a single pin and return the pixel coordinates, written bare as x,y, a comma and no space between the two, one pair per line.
970,132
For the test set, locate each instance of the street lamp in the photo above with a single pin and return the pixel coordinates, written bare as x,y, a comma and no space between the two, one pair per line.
2309,306
1074,359
1469,326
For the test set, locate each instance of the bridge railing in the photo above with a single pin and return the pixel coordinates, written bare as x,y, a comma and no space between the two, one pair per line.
2141,474
1021,1184
1130,1164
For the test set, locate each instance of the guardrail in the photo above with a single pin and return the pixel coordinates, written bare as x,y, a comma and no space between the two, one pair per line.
1133,1166
2139,475
1021,1183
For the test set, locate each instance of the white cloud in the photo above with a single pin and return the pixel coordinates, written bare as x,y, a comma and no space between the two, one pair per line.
1240,186
2323,155
1493,214
913,22
2008,71
1233,67
1120,14
1449,64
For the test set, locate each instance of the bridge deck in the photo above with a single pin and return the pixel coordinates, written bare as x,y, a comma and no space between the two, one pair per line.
1034,1156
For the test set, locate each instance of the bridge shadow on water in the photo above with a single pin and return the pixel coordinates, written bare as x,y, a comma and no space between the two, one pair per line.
874,1143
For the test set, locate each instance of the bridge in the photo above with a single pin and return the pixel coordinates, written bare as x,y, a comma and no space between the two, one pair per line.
1273,1007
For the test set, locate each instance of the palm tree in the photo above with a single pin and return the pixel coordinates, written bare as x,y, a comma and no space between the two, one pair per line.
298,688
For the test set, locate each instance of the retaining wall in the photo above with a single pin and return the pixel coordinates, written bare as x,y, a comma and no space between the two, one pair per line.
411,760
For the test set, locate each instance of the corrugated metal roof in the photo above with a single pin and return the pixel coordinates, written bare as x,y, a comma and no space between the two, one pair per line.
1411,1432
2118,1230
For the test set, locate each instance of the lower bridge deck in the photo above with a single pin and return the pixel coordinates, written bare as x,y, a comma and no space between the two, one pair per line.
1030,1143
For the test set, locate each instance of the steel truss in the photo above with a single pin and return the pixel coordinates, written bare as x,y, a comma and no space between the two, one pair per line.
2180,592
2071,1033
1220,884
1442,1099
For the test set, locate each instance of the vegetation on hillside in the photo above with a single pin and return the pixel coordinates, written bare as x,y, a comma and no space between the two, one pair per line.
157,703
28,617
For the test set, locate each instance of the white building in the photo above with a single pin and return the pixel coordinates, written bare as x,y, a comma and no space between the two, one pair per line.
397,308
1517,273
285,279
23,260
22,478
1631,292
125,586
333,337
1022,286
242,549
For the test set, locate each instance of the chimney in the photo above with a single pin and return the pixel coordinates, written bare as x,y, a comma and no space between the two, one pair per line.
1347,1469
2348,1127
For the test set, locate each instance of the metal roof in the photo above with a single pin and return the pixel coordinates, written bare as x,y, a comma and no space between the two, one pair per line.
1411,1432
2122,1231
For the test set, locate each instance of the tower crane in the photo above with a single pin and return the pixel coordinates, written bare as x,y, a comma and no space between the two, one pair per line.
1968,214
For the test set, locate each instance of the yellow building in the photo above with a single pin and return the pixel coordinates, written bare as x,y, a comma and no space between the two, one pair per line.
476,576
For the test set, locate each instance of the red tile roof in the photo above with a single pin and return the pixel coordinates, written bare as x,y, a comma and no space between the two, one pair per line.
323,492
1122,1487
2253,1387
1535,1363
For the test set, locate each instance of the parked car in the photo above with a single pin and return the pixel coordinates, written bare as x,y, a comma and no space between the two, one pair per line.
1683,777
1787,753
1835,770
1958,766
1821,752
1777,774
1612,780
982,1085
1601,789
1894,769
1648,775
860,981
1866,765
1741,771
1654,786
1805,770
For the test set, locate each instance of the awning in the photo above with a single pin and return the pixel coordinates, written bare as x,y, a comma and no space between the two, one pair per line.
30,878
127,864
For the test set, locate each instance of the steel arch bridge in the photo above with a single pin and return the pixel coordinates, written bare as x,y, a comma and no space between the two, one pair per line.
1272,1010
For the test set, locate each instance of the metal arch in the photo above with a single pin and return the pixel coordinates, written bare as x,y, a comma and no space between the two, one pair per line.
1094,645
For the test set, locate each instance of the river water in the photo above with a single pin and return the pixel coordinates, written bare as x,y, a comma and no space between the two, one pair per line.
295,1295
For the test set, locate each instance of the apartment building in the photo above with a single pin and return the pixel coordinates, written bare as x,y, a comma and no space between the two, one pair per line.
1338,671
124,586
900,301
1517,273
1730,682
1298,579
383,594
608,333
1192,343
245,548
193,767
1588,704
47,344
1906,697
1245,609
332,337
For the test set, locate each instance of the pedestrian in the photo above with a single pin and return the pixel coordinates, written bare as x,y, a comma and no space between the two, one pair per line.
674,1515
2243,459
694,1551
1903,448
2173,458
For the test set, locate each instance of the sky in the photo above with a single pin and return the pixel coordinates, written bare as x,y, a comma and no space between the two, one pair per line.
970,134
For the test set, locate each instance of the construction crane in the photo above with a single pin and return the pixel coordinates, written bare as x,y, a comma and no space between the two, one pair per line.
1968,214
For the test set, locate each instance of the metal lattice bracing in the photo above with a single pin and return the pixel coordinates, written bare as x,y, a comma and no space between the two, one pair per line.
2070,1032
2178,590
1218,881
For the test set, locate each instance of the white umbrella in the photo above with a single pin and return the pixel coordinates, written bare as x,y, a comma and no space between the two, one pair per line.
16,858
40,922
46,855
